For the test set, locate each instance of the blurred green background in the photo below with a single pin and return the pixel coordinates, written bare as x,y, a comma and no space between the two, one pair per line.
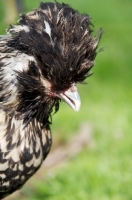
103,172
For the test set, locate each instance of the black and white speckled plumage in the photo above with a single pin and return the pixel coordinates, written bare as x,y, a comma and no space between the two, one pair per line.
41,59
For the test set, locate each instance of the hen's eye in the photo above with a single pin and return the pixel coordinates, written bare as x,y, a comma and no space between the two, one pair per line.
58,88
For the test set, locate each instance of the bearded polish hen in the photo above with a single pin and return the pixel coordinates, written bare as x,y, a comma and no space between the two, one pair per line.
42,58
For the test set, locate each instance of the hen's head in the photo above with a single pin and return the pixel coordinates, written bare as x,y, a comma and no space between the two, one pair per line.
61,42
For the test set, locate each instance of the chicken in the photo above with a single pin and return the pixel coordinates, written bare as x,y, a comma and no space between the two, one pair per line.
42,58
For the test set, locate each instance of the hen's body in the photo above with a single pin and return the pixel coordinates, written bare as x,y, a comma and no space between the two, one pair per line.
22,151
41,60
23,146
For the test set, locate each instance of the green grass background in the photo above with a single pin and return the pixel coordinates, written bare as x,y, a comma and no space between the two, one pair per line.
105,171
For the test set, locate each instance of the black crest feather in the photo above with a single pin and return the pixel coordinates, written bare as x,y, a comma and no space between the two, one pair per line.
71,48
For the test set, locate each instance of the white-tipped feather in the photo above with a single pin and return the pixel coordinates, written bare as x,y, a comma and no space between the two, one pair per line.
47,28
17,28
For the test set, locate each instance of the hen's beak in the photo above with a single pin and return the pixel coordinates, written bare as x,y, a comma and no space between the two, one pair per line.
71,97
